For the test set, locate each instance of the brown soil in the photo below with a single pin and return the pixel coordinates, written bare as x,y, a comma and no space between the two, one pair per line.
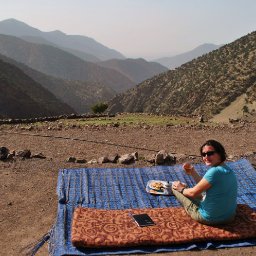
28,187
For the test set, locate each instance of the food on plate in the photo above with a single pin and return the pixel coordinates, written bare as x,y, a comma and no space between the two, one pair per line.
156,185
159,187
152,191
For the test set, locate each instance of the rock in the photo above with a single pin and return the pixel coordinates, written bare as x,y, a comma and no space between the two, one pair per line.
171,159
126,159
181,157
39,155
10,157
13,152
26,153
146,127
114,158
235,120
249,153
103,159
4,153
116,125
151,158
30,128
80,161
93,161
135,155
163,158
71,159
230,157
160,157
251,157
201,118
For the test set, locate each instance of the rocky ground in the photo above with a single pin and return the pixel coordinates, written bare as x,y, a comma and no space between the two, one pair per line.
28,198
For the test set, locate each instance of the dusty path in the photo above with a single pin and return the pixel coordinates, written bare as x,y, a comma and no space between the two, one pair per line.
28,200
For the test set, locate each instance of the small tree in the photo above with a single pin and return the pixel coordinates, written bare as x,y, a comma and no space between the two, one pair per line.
99,108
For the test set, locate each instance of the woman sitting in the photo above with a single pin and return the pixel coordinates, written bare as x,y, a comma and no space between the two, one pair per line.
213,199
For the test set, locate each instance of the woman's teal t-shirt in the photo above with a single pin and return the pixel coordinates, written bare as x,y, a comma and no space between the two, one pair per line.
219,203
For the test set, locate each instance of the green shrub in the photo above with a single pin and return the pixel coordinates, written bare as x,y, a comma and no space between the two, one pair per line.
99,108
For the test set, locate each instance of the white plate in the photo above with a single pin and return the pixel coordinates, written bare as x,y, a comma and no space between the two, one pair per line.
166,190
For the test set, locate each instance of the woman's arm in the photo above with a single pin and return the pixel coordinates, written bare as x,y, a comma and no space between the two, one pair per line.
197,178
197,190
190,170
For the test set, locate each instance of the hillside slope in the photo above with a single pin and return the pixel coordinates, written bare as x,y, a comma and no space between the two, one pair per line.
22,97
79,95
205,85
61,64
136,70
82,55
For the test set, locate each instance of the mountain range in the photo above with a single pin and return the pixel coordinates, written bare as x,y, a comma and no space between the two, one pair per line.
74,42
137,70
46,54
60,64
65,72
79,95
205,85
80,54
177,60
71,77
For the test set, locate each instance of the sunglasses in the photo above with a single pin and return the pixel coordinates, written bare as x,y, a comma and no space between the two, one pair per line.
209,153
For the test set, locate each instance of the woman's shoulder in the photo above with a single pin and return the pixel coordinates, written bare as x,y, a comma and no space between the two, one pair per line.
224,168
220,168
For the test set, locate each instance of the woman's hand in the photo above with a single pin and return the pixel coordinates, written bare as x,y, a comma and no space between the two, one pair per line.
177,185
188,168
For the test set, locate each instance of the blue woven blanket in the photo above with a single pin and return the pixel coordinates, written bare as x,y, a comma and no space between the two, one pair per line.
124,188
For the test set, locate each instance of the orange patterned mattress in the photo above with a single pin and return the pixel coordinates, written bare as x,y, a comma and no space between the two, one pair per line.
115,228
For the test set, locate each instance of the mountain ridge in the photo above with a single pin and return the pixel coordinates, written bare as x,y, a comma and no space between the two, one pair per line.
76,42
136,70
82,55
58,63
77,94
205,85
179,59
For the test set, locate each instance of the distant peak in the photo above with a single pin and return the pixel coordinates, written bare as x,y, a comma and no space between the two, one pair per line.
13,21
136,59
207,45
57,32
10,20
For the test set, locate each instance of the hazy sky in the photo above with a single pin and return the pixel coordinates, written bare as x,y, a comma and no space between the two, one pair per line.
140,28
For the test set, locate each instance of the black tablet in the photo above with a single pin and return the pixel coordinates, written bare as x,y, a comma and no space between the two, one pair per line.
142,220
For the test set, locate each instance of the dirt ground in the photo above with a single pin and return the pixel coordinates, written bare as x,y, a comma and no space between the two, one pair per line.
28,198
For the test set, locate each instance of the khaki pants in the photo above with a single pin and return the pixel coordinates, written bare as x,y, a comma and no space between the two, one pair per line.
192,208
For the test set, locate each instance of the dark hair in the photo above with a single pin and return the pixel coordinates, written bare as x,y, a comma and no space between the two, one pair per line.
217,147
